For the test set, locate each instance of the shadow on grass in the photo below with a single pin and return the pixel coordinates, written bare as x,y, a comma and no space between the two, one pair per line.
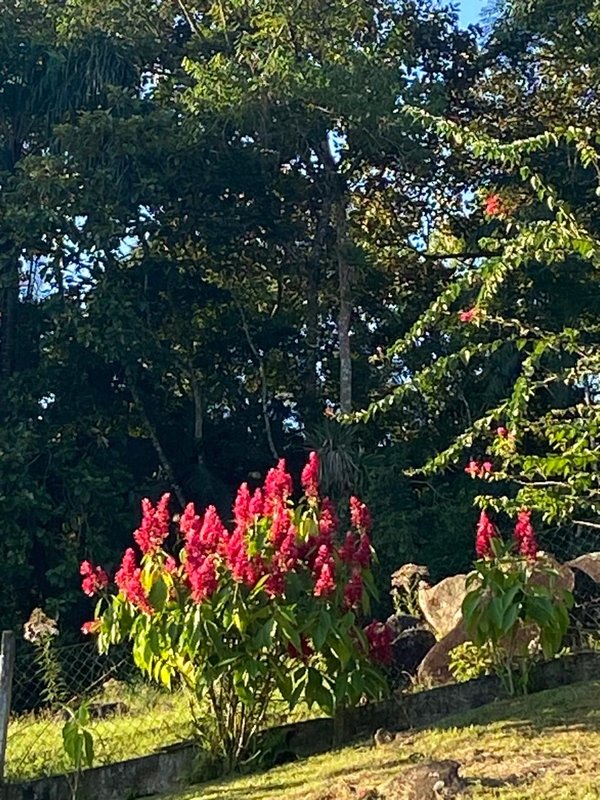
569,707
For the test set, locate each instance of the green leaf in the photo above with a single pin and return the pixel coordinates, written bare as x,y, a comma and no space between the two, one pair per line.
321,630
158,594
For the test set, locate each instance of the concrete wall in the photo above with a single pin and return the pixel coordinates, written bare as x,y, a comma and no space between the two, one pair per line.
170,770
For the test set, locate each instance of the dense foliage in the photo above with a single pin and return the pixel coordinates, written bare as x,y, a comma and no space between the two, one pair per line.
215,218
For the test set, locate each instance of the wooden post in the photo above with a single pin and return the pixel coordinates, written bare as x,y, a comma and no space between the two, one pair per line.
7,665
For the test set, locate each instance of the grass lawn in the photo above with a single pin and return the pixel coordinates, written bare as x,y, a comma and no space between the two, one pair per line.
152,720
543,746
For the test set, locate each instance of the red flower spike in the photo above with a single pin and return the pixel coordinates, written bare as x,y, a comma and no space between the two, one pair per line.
347,551
279,526
256,505
328,520
525,535
241,508
486,531
325,584
90,627
288,552
360,515
170,565
278,487
363,552
128,580
380,637
202,577
275,584
353,591
154,527
236,556
189,521
310,476
212,532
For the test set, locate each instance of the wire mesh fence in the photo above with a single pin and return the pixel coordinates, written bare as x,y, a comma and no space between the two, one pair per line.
129,716
578,547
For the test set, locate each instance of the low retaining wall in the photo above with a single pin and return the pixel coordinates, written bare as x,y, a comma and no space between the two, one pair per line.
169,770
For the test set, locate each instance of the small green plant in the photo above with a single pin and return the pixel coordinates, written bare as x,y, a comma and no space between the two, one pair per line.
41,630
405,589
469,661
515,607
78,744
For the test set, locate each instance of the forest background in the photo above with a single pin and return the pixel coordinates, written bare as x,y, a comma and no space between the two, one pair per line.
215,219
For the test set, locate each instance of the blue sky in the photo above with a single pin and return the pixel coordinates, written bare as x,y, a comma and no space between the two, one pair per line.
470,10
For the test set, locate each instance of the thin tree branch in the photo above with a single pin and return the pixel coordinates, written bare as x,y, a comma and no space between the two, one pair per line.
263,380
162,456
586,524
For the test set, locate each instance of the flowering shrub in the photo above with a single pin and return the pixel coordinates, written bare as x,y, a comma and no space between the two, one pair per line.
271,605
515,606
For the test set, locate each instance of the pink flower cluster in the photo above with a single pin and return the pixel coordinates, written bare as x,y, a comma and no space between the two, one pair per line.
468,315
379,638
479,469
264,544
202,540
94,578
524,535
494,206
486,531
154,528
128,580
90,627
310,476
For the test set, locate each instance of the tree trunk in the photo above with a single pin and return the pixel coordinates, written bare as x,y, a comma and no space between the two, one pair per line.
8,326
312,334
151,430
313,269
345,309
264,386
198,416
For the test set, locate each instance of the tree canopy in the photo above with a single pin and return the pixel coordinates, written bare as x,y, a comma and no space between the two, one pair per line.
217,217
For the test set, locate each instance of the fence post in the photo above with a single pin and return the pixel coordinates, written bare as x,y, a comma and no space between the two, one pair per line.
7,665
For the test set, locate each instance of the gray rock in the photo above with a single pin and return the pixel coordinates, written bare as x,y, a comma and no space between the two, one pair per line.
398,623
589,564
435,780
435,667
410,648
441,604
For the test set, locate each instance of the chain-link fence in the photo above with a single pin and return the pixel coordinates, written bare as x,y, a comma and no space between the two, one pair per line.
578,547
129,717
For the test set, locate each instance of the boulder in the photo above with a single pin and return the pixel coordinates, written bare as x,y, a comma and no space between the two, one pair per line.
410,648
441,604
588,564
435,666
564,579
398,623
435,780
586,571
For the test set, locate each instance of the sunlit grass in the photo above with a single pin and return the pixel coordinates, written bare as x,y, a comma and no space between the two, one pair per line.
149,719
543,746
